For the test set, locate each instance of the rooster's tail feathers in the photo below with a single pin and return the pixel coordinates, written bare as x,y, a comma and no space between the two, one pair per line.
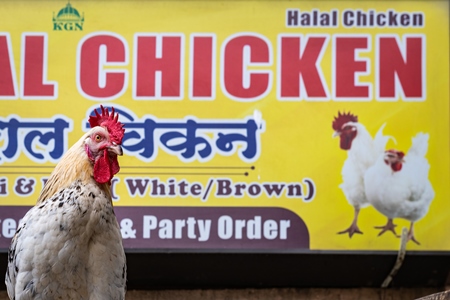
381,140
419,144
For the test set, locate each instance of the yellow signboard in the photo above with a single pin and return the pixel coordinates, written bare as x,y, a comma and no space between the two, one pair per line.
264,125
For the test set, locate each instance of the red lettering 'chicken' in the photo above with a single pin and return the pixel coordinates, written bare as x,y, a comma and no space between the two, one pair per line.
362,152
398,185
69,246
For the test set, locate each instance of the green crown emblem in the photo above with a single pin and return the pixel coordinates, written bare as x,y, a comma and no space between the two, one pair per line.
68,18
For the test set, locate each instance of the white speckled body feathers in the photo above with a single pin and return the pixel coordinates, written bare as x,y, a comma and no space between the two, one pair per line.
68,246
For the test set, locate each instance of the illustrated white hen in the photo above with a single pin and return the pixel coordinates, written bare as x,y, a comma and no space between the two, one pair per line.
398,185
362,152
69,246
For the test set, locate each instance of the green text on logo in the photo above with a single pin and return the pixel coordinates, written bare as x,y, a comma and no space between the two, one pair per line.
68,19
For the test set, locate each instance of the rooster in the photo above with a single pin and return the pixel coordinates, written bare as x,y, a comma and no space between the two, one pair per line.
69,246
398,186
362,152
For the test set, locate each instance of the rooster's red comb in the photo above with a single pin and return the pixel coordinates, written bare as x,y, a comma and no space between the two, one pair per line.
110,122
342,119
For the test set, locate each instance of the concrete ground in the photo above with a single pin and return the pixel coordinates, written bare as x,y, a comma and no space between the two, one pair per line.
279,294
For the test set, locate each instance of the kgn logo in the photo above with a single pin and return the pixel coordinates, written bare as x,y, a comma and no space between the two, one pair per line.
68,19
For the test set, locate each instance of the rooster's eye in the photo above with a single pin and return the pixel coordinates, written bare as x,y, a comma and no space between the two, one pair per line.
98,138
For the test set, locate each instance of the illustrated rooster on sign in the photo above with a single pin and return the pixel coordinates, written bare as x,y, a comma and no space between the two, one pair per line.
69,246
363,152
398,186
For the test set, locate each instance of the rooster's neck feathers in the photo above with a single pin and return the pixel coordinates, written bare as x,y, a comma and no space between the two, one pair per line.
74,165
363,139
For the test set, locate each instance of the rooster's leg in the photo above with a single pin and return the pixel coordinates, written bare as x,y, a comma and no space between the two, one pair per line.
390,226
411,234
354,226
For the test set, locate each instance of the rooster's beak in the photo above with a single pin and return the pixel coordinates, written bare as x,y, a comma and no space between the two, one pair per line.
336,134
116,149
